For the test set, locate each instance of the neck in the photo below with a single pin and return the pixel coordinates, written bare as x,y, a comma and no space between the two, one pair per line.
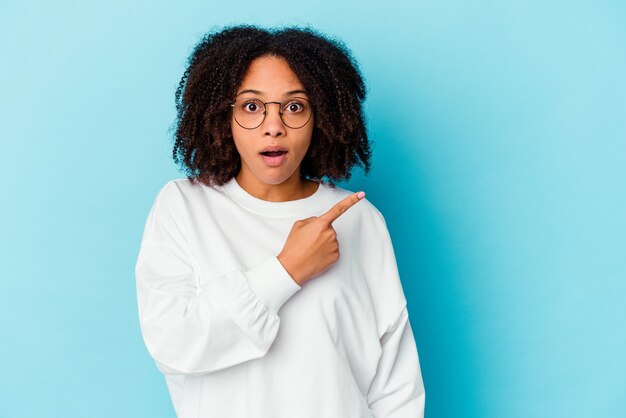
293,188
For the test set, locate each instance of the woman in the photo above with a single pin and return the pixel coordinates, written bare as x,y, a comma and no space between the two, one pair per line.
263,290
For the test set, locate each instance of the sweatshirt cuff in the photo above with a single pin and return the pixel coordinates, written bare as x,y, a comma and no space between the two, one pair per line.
272,283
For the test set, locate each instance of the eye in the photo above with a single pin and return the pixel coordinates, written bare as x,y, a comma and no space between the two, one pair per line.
252,106
294,107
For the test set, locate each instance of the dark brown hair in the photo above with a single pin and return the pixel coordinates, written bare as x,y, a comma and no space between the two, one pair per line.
204,146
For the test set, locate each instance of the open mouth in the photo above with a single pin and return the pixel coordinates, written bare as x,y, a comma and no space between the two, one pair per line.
273,158
274,153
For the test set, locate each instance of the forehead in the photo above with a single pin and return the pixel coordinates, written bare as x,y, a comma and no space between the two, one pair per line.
270,75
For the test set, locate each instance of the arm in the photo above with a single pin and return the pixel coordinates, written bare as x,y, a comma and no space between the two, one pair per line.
193,329
397,390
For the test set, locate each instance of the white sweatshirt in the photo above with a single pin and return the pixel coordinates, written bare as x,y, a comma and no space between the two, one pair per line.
236,336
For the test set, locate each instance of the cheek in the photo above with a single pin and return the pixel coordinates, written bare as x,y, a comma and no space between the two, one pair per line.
306,143
241,149
239,135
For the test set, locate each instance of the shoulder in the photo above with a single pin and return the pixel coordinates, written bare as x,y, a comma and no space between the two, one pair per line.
177,193
369,240
178,187
174,201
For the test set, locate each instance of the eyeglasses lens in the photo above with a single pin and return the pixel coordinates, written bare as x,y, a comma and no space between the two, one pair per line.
250,113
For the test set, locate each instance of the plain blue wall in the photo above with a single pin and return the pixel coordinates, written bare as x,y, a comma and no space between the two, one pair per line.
499,164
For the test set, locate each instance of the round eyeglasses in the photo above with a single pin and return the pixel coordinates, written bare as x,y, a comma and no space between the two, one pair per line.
249,113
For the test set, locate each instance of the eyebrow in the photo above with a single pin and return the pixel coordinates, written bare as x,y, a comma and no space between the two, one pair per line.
289,93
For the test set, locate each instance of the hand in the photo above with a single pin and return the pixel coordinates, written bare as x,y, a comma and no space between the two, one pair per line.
312,246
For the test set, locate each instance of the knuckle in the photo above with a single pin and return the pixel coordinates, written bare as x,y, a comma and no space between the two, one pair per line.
322,223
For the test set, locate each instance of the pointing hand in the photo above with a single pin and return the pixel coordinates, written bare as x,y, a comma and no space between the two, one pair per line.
312,246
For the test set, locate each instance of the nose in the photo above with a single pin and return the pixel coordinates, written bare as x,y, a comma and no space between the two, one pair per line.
273,124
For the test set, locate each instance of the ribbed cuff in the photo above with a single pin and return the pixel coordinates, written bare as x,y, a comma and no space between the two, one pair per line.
272,283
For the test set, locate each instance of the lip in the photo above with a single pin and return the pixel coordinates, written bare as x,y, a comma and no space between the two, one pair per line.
273,148
274,161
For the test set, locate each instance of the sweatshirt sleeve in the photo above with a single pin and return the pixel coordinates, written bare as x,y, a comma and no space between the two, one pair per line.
397,390
193,329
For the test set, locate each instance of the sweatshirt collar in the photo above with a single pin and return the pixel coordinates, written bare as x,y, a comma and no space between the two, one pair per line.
310,205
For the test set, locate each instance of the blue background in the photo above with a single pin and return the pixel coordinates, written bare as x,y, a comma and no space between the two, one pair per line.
499,163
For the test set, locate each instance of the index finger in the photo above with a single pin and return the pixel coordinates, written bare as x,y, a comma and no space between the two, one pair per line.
333,213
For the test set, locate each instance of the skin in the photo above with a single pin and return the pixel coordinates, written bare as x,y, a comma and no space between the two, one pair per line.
273,78
311,246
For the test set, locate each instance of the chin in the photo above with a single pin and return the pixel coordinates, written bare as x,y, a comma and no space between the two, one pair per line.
279,177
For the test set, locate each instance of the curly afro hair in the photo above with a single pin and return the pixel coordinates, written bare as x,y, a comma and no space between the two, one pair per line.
204,146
